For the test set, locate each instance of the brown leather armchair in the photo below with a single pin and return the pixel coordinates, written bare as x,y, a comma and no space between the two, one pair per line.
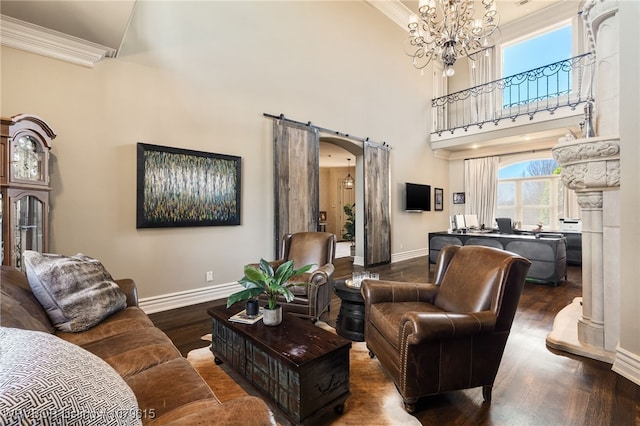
305,248
450,334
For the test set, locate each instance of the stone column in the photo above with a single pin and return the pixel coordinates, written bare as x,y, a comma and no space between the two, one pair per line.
591,325
591,166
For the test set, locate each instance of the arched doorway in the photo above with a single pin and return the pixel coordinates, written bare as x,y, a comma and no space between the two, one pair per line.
339,159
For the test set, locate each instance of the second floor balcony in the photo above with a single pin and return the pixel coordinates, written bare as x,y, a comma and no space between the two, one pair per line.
551,96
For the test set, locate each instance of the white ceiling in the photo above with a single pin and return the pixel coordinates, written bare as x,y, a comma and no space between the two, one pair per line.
105,22
334,156
509,10
99,21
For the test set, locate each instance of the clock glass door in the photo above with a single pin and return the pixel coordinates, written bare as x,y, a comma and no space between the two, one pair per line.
29,227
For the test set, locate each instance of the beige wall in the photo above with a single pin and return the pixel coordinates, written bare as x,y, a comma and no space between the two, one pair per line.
628,357
199,75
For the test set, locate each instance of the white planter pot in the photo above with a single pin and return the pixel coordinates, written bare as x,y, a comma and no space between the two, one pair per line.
272,316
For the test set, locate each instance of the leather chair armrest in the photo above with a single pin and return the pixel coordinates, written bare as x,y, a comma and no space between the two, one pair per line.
424,326
322,275
378,291
128,287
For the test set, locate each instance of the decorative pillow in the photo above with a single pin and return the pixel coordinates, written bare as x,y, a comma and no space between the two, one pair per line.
45,380
77,292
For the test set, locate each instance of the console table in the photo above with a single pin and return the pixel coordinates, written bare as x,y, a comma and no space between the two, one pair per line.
302,368
547,253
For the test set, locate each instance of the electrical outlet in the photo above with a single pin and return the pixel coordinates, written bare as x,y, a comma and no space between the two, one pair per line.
209,276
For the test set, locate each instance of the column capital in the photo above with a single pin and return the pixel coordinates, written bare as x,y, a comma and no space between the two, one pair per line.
589,164
590,200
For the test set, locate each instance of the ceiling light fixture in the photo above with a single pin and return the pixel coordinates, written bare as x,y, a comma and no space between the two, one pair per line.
348,182
450,29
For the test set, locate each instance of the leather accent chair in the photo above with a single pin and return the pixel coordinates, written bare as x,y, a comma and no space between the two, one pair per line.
305,248
450,334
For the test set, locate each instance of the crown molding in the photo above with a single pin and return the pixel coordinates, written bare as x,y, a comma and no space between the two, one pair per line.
394,10
43,41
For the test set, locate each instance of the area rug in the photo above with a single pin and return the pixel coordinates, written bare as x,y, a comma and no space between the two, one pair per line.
374,399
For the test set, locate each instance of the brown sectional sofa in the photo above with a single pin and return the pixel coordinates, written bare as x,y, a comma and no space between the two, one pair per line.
164,383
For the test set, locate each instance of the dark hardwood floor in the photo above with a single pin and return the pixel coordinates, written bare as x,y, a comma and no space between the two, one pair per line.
535,384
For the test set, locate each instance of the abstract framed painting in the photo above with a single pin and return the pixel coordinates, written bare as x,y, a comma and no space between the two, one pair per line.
182,187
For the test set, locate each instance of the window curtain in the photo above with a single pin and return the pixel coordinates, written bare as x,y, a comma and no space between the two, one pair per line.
481,72
481,186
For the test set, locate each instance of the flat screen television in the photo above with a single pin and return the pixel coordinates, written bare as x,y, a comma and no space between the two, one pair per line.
418,197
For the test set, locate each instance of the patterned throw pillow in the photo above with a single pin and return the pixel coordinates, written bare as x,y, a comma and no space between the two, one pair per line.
45,380
77,292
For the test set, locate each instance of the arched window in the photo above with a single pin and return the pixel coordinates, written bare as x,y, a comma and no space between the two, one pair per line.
531,192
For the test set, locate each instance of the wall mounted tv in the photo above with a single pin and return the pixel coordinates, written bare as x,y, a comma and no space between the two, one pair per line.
418,197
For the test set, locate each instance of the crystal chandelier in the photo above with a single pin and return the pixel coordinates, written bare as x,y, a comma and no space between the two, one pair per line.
449,29
348,181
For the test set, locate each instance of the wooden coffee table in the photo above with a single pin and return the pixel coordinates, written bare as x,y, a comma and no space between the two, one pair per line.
302,368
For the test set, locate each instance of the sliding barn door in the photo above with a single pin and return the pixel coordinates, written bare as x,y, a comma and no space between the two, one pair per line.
377,205
296,155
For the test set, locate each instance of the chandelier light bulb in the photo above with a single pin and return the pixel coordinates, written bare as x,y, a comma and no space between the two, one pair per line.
450,71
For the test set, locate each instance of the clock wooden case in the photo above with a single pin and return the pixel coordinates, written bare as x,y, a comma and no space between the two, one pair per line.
25,143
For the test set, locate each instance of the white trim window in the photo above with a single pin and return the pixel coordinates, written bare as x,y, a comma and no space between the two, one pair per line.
537,51
531,199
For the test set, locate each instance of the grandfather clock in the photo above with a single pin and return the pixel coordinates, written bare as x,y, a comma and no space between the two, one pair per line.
25,142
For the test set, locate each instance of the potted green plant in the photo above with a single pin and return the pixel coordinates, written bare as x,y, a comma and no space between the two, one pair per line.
263,279
349,233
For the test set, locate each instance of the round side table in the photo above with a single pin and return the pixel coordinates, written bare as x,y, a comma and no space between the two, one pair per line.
350,321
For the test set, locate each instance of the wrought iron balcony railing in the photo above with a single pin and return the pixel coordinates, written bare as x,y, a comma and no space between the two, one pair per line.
547,88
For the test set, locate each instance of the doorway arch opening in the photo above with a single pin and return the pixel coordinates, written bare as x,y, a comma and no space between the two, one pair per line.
340,158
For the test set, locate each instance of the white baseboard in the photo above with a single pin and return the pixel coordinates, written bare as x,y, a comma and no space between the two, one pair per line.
411,254
396,257
181,299
627,364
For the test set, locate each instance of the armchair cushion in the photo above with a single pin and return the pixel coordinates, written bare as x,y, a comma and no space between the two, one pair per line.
385,317
426,325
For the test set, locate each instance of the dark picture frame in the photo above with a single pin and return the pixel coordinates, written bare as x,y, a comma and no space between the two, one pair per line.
438,199
181,187
458,198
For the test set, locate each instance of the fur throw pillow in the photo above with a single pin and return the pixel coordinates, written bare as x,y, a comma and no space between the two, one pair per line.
77,292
